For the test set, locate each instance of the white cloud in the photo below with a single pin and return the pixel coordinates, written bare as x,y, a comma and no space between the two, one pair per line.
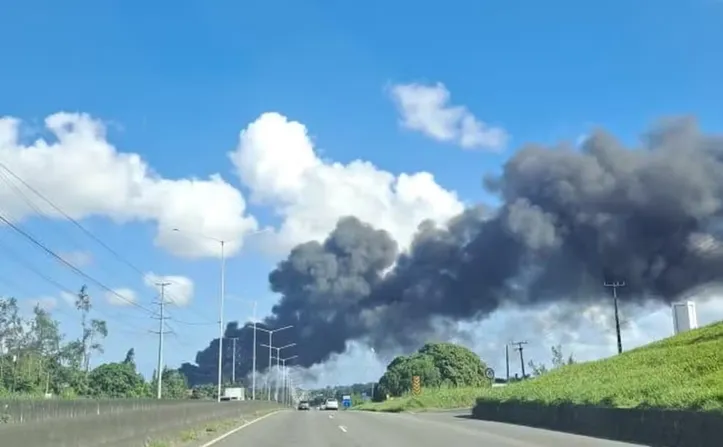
428,109
83,174
78,258
121,297
276,159
178,291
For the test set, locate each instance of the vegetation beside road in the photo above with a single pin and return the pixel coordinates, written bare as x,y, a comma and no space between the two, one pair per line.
451,375
438,365
36,359
680,372
428,399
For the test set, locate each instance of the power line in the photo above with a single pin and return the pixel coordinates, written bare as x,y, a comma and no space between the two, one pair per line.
75,269
12,254
71,219
28,201
59,258
35,208
77,224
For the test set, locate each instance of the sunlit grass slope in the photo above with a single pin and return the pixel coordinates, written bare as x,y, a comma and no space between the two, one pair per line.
683,372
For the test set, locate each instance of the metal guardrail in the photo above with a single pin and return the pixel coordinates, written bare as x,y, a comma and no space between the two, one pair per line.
109,423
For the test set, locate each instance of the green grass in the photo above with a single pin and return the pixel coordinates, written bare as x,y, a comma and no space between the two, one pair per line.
680,372
429,399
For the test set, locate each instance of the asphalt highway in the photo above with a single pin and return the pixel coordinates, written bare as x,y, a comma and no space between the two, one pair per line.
364,429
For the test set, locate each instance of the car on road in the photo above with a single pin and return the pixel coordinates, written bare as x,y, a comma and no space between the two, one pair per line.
331,404
304,405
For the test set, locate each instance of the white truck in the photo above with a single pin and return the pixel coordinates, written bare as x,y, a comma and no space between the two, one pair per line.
235,393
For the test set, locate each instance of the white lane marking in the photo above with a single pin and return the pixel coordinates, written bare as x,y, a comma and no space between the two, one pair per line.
246,424
331,416
342,428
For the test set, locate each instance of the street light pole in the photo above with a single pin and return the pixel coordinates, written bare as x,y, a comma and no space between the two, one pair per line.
268,379
233,361
253,355
284,377
220,319
271,333
222,299
253,373
278,366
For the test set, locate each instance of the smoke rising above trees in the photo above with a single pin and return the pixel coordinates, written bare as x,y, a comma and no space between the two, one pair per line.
568,219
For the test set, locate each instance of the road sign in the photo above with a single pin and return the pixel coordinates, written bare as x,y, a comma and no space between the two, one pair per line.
416,385
490,373
346,401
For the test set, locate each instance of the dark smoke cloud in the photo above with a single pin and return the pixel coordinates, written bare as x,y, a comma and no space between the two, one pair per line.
570,218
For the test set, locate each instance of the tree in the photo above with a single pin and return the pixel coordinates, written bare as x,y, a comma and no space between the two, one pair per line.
457,365
130,357
98,332
207,391
119,380
82,303
558,358
11,342
437,364
537,369
174,384
92,330
558,361
44,343
35,358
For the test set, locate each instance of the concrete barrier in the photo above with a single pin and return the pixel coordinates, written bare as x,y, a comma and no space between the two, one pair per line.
110,423
652,427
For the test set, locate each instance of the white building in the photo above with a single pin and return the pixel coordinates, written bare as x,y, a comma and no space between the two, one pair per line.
684,317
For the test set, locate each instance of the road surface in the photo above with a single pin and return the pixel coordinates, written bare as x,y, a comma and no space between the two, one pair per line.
364,429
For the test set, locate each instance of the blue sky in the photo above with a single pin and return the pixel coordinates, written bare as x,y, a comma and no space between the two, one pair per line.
176,83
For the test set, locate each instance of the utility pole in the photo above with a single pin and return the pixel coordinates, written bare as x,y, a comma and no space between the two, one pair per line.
233,361
507,361
615,285
161,321
520,348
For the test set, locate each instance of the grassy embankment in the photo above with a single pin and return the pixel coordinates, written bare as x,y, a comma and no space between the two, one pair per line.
682,372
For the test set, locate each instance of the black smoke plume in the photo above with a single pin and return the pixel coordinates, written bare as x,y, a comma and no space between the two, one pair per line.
569,219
